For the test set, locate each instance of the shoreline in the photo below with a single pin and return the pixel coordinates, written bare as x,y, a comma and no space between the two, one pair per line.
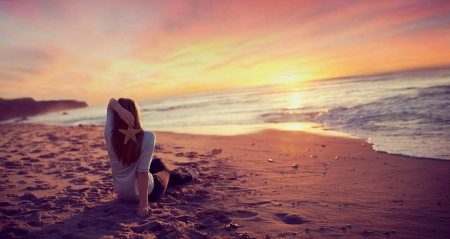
245,129
56,182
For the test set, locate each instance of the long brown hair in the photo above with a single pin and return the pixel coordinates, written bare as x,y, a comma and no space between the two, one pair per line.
130,152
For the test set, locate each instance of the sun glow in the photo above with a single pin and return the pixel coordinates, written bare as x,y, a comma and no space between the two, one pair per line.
287,78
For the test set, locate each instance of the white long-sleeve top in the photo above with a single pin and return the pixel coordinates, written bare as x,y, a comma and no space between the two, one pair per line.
124,177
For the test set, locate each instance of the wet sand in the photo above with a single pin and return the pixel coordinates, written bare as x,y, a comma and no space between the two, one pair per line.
56,183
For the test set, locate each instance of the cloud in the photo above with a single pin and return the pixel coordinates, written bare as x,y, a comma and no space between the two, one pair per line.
20,63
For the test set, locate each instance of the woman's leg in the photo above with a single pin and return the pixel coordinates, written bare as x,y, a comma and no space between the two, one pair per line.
157,165
163,177
161,181
178,177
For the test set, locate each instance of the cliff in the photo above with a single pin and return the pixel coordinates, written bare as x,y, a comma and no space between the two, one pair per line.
25,107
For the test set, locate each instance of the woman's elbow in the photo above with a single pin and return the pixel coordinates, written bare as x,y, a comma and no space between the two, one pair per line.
111,103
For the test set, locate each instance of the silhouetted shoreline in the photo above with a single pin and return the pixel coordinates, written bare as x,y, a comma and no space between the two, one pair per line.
26,107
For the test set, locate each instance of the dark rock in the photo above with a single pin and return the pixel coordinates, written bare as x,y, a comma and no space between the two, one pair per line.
216,151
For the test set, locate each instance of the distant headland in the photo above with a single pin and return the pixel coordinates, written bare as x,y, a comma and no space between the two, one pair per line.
25,107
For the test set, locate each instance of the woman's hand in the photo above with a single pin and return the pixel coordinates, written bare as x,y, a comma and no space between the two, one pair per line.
143,212
143,184
126,116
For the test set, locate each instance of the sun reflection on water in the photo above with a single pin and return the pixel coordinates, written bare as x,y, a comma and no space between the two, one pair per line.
296,127
296,101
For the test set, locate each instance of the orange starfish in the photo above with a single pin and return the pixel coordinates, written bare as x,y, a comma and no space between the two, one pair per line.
130,133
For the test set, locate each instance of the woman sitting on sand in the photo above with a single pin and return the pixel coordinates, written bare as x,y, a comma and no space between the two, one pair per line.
136,176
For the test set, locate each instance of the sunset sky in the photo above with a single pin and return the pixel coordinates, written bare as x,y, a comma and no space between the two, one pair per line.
97,49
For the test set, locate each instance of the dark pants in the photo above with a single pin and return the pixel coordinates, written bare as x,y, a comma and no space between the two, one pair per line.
163,177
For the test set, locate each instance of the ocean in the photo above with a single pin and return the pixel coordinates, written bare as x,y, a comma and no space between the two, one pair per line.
405,113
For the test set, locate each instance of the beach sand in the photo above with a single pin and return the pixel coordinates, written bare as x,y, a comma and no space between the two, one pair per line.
56,183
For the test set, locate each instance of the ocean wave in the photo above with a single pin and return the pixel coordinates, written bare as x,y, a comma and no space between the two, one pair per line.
407,124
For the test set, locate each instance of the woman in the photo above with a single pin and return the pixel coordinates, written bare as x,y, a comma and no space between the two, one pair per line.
136,176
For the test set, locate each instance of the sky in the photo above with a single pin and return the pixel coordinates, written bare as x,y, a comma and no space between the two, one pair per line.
94,50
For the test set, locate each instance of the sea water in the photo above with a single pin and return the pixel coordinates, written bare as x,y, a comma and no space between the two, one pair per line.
405,113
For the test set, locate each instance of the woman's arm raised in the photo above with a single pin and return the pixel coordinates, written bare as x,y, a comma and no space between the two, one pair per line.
124,114
143,184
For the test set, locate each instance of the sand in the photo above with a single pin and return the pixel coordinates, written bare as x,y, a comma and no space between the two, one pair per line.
56,183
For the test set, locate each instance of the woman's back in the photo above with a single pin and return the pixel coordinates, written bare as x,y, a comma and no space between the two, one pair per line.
130,160
125,176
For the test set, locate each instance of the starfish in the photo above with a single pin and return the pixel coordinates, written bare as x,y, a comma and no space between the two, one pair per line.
130,133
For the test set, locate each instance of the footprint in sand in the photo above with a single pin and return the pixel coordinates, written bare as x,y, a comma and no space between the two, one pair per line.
13,230
79,181
217,215
44,186
186,164
28,197
13,164
83,169
22,172
6,204
290,218
243,213
50,155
